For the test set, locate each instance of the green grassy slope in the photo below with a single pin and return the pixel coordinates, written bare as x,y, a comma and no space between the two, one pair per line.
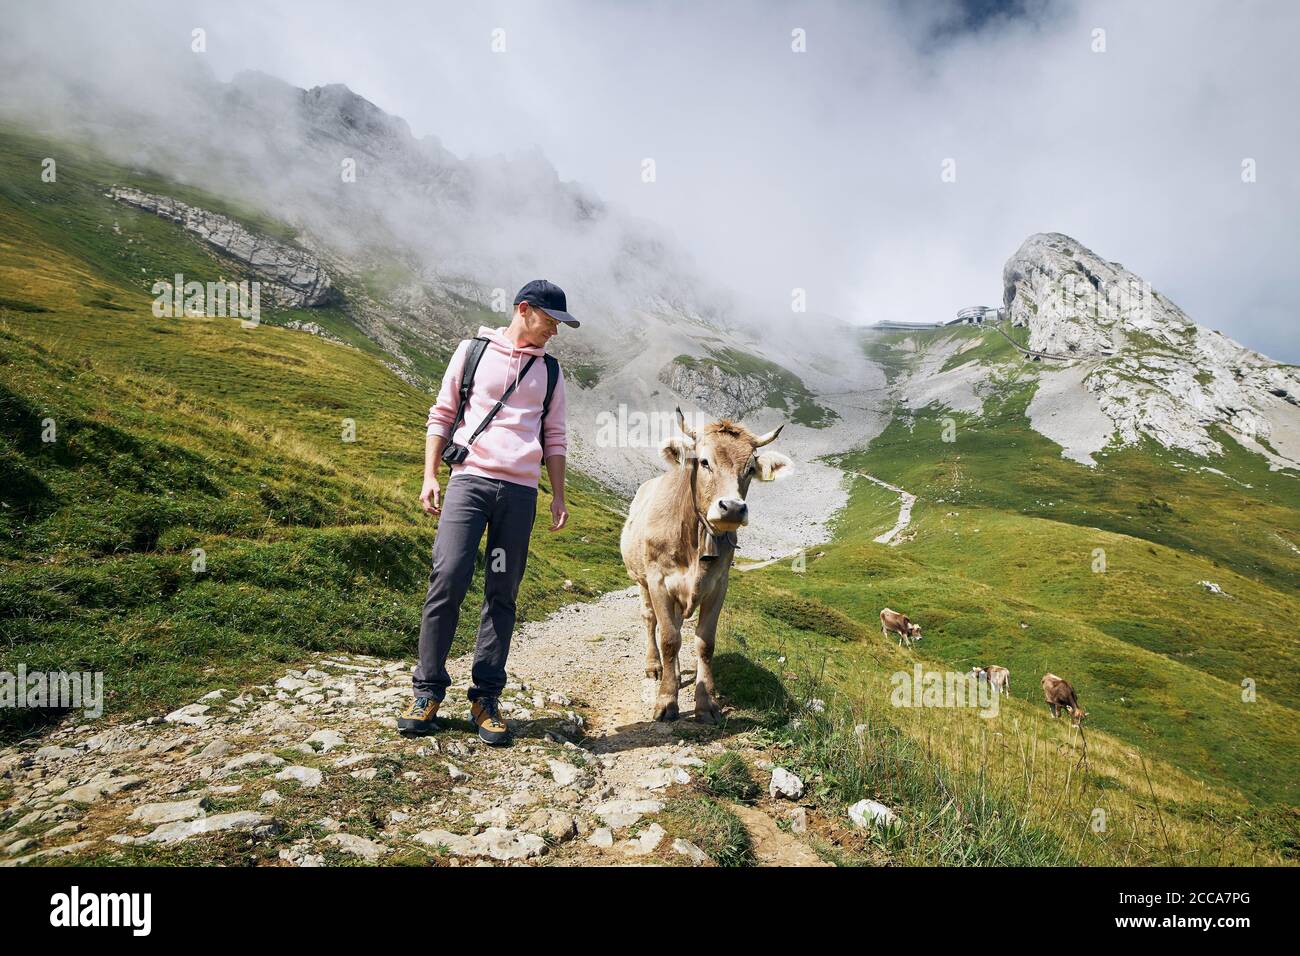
178,434
999,568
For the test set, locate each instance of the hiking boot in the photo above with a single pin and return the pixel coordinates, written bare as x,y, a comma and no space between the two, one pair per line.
486,713
418,716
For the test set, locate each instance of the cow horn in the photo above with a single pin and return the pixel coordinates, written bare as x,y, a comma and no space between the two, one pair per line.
681,423
769,437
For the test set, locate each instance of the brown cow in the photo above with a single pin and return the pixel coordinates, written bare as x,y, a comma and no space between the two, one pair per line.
999,678
1060,696
678,543
891,622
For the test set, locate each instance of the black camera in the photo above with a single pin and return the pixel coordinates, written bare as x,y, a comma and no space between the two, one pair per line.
454,454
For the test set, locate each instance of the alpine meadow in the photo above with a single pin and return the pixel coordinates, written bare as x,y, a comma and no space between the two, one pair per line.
1006,572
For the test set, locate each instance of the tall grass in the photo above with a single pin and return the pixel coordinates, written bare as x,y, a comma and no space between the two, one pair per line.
1011,789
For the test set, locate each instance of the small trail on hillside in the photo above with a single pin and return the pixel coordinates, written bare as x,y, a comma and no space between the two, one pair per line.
906,501
309,770
892,537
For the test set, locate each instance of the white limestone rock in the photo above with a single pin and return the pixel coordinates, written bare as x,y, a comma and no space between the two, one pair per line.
691,852
618,814
193,715
499,843
1150,369
368,850
169,812
185,829
99,788
306,776
870,813
784,784
293,277
647,841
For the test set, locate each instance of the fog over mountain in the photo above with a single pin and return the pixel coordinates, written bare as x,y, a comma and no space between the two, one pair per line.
775,170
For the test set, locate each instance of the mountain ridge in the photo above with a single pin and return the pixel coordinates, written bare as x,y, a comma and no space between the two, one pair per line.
1152,370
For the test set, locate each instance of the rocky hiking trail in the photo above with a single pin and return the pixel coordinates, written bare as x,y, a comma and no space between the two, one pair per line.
310,771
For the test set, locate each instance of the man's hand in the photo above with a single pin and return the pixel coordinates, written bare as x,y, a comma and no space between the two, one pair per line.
559,514
430,494
431,497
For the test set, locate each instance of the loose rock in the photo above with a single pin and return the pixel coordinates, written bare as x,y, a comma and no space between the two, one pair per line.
306,776
646,842
691,852
368,850
183,830
784,784
869,813
169,812
618,814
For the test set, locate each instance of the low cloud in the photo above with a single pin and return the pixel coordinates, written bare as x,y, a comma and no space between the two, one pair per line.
777,169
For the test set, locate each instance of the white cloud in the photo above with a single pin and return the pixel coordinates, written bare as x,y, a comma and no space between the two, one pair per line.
822,169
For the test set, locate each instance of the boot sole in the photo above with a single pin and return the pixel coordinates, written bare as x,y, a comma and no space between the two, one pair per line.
415,728
494,739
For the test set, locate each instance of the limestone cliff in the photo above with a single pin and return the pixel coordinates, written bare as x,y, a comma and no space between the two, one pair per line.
293,278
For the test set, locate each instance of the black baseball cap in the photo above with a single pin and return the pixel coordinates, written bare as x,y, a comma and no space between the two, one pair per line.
548,297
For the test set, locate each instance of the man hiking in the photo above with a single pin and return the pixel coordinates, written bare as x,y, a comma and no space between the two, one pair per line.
499,415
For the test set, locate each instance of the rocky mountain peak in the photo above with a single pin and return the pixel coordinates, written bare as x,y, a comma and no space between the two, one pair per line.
1154,372
1076,303
337,107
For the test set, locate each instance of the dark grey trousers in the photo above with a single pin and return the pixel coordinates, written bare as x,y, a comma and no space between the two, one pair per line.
471,504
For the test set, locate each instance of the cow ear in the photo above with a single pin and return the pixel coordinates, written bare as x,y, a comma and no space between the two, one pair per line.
677,451
773,465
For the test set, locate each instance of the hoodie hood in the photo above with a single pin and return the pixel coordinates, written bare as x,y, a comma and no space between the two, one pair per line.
498,338
516,356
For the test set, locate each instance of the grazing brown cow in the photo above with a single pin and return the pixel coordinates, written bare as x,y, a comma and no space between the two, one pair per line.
893,622
999,678
1060,696
678,543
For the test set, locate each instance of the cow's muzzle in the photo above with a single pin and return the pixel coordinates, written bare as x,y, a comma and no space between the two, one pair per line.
728,514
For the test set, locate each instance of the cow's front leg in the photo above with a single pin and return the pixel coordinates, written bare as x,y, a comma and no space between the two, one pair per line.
653,666
706,706
670,642
669,616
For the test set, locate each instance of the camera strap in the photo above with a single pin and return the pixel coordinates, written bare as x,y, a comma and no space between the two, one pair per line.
473,355
501,401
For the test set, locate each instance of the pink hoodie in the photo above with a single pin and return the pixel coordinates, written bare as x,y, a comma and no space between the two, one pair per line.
509,448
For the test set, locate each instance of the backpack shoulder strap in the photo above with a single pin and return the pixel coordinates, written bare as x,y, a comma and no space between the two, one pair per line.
473,355
552,377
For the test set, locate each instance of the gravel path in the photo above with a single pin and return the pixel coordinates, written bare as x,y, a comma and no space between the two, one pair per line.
310,771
